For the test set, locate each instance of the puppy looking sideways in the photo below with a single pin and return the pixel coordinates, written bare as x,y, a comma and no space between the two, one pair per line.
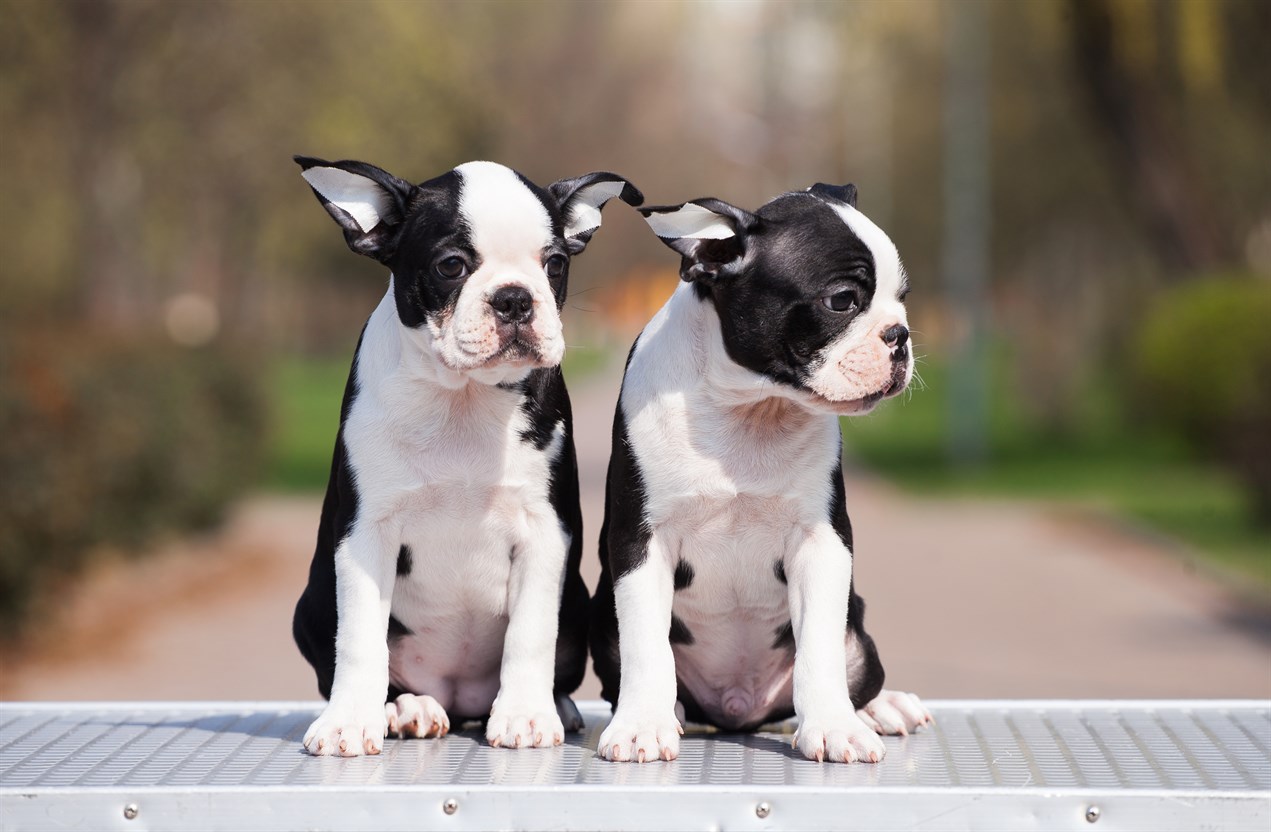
726,591
445,578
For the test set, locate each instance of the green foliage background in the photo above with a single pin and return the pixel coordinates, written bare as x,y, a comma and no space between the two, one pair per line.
147,148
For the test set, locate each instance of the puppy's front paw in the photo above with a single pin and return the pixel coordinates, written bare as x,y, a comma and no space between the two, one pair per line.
519,727
640,739
416,716
895,712
347,731
839,739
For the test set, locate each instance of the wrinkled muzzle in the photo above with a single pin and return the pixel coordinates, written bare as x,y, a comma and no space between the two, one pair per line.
512,325
856,372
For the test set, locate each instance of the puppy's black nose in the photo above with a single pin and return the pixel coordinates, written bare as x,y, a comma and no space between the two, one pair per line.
896,336
513,304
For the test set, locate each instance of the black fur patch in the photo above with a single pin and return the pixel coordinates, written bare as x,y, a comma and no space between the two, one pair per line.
771,316
404,560
542,409
314,623
683,575
627,539
779,569
679,632
432,231
396,629
785,637
547,388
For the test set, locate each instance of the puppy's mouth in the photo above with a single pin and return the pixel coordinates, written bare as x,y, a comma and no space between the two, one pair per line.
517,348
518,351
852,407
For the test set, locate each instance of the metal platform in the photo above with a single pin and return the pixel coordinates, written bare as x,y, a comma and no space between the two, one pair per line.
985,765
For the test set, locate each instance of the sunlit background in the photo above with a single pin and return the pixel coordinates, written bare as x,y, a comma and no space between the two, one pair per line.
1075,499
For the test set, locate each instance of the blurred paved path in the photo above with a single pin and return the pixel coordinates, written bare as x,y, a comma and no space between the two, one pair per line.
966,598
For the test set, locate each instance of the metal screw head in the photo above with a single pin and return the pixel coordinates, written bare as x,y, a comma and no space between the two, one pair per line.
763,810
450,806
1092,814
130,811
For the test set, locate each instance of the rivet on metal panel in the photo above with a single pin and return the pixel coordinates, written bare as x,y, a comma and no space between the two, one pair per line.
130,811
1092,814
762,810
450,806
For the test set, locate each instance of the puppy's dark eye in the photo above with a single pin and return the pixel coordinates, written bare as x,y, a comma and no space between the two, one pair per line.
842,301
555,265
452,268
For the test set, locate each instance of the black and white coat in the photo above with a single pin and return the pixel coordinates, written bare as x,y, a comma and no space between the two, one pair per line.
726,595
445,584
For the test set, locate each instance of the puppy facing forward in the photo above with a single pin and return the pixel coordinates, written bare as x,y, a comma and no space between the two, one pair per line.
726,585
445,578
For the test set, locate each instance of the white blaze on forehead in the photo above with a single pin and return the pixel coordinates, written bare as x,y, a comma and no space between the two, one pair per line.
506,219
887,268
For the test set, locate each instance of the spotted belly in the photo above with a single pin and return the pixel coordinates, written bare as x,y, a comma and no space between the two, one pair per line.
450,617
737,670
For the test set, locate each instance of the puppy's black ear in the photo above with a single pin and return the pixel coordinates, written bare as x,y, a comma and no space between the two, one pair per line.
845,194
580,200
709,234
367,202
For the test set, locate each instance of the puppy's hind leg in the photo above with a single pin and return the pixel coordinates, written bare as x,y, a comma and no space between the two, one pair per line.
895,712
568,713
411,715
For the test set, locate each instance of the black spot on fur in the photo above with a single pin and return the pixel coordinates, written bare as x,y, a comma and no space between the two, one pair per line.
779,569
396,629
679,632
542,405
785,637
683,575
404,560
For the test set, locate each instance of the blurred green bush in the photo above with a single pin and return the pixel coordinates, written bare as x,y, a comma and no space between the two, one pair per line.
1203,359
107,441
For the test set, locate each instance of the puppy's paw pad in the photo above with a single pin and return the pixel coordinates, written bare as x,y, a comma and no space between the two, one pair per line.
524,728
411,715
843,740
640,740
347,732
896,712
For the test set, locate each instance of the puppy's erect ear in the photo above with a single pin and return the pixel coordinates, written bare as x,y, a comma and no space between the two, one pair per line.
845,194
367,202
581,198
709,234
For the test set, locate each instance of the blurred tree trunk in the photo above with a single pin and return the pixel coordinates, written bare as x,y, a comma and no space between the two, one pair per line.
1113,51
109,272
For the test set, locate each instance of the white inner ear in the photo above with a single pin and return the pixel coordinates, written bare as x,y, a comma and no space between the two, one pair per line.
584,211
357,196
690,221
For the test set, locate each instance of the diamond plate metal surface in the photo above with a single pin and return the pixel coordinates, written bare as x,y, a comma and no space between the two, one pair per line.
194,766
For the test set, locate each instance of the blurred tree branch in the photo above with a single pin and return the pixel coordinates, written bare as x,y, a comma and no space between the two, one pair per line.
1127,92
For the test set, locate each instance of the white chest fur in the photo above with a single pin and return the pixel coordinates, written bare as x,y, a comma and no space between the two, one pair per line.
445,471
735,478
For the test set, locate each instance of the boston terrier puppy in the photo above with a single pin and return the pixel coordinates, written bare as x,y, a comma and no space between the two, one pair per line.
445,578
726,592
